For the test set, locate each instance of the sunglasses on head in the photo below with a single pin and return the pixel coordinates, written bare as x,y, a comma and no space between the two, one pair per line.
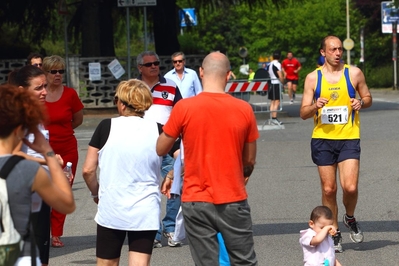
156,63
54,71
177,61
37,65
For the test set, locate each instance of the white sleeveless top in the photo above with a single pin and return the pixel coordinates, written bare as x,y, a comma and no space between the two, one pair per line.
36,200
129,193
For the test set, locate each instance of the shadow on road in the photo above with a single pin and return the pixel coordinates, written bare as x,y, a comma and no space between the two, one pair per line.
294,228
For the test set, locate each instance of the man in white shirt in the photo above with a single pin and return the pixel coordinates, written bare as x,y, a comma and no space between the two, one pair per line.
274,94
185,78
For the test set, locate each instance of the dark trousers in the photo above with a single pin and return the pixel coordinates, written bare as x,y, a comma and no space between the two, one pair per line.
41,227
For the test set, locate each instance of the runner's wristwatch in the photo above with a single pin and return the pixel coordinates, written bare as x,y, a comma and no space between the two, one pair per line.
361,102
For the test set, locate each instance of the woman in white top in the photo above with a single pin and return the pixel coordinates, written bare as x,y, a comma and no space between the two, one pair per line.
127,190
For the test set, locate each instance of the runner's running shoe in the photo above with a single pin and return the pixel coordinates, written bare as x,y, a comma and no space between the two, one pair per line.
356,234
337,238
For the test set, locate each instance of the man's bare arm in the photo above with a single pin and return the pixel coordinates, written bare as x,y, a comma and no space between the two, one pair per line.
308,108
359,81
164,144
248,158
280,76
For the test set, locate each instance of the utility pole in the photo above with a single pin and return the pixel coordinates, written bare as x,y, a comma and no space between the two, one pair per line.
348,42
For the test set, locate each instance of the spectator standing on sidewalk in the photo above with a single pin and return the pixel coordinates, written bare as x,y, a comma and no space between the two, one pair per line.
35,59
165,94
127,190
65,112
32,78
274,93
189,85
21,114
214,196
185,78
330,98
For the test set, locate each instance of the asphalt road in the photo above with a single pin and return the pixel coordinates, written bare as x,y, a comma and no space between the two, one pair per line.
283,190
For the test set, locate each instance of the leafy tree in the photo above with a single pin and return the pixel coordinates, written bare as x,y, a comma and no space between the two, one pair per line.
23,23
297,27
375,40
97,27
93,21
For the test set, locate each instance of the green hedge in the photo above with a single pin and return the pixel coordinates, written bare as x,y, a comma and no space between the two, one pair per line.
381,77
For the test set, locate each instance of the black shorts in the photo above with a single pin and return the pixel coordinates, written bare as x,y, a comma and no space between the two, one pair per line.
274,92
293,81
110,241
329,152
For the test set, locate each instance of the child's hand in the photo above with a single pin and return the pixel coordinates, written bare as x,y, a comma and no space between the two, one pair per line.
332,231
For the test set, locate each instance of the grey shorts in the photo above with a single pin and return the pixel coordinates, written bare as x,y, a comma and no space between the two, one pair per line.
204,220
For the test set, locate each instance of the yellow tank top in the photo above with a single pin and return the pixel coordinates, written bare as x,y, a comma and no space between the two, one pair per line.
336,120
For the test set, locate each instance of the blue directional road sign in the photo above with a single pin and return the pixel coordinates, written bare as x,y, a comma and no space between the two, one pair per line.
389,14
188,14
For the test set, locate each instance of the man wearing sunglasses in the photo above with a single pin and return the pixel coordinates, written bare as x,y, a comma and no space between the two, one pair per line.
35,59
186,78
165,95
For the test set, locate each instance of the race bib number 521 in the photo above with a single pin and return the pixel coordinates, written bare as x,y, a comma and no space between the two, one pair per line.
334,115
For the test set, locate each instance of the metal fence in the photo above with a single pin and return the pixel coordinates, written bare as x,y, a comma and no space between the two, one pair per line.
99,93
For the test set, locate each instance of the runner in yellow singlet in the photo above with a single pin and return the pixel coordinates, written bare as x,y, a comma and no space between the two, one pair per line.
330,97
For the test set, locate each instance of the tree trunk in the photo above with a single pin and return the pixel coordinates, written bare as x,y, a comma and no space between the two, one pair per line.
106,28
91,45
166,27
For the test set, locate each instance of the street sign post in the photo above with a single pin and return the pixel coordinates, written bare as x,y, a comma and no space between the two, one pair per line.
133,3
389,24
389,15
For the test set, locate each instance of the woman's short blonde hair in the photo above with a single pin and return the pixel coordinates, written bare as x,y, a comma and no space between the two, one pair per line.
53,62
135,94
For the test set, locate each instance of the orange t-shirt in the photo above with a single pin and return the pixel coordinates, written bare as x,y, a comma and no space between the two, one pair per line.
214,129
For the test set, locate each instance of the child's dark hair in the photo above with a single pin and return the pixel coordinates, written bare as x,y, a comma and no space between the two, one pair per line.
321,211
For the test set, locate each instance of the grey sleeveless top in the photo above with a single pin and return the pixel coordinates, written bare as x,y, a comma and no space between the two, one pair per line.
19,187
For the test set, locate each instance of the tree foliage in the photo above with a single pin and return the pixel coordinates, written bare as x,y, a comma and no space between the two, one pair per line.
97,27
296,27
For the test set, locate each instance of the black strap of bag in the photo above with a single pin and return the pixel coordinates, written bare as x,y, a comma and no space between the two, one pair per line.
9,165
4,172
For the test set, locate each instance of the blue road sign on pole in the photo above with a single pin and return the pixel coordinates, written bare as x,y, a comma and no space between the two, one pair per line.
188,15
389,15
